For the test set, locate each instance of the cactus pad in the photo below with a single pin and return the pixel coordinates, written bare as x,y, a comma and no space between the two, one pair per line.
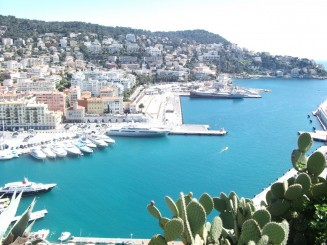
216,229
219,204
277,190
172,206
304,180
316,163
173,229
196,216
227,219
163,221
154,211
158,240
304,142
299,160
250,231
275,232
207,202
269,197
279,207
262,216
319,189
293,192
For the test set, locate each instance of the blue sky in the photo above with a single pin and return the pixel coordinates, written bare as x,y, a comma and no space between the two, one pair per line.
285,27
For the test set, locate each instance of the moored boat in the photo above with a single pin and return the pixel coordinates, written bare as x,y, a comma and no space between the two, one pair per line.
64,236
48,152
84,148
59,150
25,186
7,154
72,149
87,142
38,154
106,139
98,141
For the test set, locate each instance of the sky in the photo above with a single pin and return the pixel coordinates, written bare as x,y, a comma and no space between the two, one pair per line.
281,27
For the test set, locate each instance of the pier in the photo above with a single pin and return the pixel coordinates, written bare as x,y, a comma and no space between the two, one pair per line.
195,129
34,215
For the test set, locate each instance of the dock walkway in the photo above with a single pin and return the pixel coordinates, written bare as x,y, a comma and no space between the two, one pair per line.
195,129
108,241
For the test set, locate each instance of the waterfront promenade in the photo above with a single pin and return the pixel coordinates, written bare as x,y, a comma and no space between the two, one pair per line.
127,241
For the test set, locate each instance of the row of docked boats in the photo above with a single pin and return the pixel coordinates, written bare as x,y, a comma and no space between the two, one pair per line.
84,145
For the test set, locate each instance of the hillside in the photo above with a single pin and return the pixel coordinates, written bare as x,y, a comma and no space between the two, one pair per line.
25,28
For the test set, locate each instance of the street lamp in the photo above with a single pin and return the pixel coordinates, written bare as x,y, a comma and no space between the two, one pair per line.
131,236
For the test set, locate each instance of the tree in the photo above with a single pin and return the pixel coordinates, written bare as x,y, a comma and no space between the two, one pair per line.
108,110
141,106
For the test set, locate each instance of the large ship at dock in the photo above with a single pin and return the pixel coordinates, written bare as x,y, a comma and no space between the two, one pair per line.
222,88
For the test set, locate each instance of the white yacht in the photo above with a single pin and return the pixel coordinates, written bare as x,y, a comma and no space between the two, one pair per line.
87,142
107,139
59,150
25,186
72,149
98,141
64,236
48,152
38,154
137,131
84,148
7,154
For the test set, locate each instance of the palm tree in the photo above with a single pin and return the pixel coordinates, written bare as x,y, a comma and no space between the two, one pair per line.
141,106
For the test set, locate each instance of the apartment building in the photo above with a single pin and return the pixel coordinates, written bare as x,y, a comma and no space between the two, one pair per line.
27,114
115,105
56,101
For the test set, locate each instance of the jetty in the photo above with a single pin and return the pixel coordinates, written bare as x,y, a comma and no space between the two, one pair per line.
34,215
196,129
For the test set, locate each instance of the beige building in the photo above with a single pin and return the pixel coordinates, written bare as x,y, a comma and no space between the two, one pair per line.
95,106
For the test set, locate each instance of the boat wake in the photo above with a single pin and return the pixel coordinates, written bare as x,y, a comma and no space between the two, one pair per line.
224,149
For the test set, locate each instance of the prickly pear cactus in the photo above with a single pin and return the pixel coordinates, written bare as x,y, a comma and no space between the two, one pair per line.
188,222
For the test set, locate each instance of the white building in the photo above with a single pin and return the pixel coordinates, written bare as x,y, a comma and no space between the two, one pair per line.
27,114
74,94
153,51
38,85
75,113
7,41
63,42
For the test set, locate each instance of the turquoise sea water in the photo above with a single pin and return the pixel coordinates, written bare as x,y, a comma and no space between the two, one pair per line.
105,194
